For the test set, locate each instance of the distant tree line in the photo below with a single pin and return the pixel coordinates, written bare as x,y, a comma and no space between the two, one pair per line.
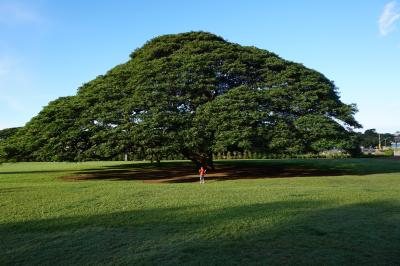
370,138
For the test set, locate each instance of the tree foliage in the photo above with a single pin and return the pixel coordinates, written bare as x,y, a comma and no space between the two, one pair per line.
7,133
4,135
192,94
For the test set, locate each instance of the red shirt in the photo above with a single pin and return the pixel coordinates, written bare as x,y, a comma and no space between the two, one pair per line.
202,171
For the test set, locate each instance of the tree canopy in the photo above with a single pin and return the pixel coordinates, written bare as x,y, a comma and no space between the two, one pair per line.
192,94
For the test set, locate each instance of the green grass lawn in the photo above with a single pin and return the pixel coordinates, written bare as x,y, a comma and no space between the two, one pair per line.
349,217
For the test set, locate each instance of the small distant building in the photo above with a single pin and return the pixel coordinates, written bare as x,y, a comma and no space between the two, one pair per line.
396,149
395,145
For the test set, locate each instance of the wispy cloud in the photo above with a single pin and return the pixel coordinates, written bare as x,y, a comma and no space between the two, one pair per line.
3,126
12,103
6,65
12,78
3,68
11,13
18,91
390,14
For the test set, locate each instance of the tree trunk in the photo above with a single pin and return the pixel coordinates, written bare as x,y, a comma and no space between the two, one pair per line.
200,159
158,159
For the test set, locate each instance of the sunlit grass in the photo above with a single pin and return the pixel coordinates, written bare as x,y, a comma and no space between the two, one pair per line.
351,218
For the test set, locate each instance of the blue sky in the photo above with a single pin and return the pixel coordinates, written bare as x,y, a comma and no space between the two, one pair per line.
49,48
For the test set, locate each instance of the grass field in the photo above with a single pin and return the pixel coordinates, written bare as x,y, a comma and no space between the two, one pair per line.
305,212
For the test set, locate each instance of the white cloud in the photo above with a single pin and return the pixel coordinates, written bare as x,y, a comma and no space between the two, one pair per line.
11,13
390,14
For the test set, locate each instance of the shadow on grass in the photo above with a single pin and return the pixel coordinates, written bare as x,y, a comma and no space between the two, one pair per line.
32,172
15,189
297,232
180,172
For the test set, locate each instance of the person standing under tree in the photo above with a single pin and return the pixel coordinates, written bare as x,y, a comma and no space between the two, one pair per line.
202,173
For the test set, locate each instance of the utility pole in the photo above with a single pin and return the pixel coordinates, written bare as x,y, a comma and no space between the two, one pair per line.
379,147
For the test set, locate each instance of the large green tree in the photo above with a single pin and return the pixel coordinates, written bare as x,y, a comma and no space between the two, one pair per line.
192,94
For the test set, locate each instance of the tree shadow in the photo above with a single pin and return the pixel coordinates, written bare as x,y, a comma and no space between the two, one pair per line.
287,232
181,172
13,189
32,172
